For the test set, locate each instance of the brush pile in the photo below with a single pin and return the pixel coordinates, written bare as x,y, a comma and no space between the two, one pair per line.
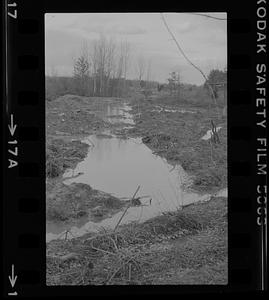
116,257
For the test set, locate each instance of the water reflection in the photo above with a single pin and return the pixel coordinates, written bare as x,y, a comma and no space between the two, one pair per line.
115,113
118,166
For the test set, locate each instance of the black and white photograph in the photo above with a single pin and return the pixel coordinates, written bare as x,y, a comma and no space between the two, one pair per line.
136,148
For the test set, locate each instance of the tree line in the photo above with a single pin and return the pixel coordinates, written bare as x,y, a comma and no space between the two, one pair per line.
102,71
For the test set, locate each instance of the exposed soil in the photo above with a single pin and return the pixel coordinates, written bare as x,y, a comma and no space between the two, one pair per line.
61,154
176,136
77,200
73,115
68,119
184,247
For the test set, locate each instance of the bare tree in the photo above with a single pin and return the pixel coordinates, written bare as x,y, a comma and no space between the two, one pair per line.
101,63
105,67
109,64
95,67
148,77
122,63
126,57
120,69
81,71
100,58
141,66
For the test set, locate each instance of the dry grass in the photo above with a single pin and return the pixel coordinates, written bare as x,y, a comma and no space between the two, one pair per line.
176,136
68,202
184,247
61,155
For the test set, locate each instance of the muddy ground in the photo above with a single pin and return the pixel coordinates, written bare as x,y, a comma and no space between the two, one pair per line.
68,119
184,247
173,130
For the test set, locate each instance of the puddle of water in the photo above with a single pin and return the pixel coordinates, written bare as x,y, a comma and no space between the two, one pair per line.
116,113
207,136
118,166
142,213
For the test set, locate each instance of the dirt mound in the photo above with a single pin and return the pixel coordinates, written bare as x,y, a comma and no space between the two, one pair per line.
159,140
69,100
71,114
61,155
177,137
66,202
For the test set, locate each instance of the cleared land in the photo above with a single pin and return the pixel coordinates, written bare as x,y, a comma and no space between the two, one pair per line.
173,130
188,246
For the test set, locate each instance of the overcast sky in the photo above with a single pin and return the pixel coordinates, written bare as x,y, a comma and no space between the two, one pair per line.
204,41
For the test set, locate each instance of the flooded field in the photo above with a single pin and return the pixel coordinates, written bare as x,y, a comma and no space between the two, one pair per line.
118,166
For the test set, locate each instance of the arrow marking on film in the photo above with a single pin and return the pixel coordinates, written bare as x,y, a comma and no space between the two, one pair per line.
12,127
12,279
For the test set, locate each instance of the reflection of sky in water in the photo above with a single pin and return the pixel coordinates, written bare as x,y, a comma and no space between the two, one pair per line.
118,166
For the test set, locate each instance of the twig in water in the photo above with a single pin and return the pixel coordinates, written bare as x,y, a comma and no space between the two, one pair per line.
172,168
66,233
90,142
126,208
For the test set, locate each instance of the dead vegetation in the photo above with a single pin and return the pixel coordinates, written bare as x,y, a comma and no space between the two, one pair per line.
72,115
67,202
68,118
61,155
171,131
182,247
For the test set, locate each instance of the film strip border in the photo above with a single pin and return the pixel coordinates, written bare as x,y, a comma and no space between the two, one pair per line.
24,205
246,140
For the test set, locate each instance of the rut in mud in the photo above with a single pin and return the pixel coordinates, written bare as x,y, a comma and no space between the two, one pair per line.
93,172
115,166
